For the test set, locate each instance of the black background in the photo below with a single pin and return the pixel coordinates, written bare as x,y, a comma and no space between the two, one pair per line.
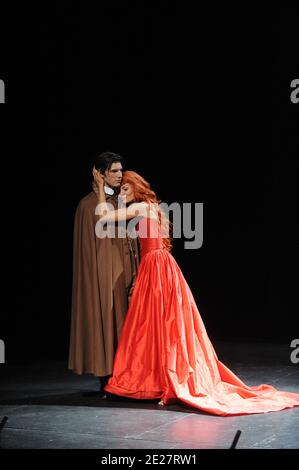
198,102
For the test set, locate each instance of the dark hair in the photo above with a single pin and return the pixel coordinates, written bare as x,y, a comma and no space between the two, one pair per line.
104,161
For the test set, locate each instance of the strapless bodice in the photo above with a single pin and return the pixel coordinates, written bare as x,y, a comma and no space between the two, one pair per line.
149,235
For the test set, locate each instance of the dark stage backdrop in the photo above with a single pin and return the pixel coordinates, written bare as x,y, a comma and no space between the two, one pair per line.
199,104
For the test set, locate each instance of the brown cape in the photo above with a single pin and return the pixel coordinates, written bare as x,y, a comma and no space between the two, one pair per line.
104,273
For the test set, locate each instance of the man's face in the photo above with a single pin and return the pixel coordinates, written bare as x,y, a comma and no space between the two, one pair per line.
114,176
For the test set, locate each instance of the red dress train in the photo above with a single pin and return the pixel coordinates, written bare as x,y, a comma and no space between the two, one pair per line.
164,350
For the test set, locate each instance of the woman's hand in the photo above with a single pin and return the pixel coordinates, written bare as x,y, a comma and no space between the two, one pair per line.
98,178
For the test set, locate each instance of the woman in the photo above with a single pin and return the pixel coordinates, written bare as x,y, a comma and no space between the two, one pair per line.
164,350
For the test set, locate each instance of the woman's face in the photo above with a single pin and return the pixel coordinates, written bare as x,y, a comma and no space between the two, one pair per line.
127,193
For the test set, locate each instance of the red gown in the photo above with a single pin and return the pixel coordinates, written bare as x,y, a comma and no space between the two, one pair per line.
164,350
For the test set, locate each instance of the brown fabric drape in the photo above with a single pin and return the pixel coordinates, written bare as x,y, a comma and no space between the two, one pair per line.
104,273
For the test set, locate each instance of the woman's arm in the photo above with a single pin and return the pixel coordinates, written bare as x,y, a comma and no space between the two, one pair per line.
137,209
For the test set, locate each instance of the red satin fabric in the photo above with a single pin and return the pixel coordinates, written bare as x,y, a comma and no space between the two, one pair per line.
165,352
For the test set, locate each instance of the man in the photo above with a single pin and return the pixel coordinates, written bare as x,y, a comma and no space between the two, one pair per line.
104,273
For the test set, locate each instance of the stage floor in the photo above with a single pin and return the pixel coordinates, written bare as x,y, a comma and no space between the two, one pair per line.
47,407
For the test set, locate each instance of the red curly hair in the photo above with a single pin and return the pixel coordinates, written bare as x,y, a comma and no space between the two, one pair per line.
144,193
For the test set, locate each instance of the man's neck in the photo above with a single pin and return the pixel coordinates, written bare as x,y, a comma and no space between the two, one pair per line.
109,191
